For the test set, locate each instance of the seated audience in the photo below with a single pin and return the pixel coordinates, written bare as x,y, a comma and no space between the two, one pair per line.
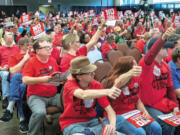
72,45
5,52
81,94
156,81
17,89
36,73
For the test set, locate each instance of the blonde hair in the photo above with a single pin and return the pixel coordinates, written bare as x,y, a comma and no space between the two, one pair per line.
69,39
147,36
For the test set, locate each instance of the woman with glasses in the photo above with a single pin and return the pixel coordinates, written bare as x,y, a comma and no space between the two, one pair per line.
126,67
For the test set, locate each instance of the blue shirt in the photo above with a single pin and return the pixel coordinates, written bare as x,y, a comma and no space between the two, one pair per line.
175,72
94,55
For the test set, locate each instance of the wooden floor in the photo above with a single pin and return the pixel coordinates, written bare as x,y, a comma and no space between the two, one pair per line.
12,127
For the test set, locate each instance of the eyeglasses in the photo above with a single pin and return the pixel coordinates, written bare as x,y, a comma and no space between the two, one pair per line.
46,47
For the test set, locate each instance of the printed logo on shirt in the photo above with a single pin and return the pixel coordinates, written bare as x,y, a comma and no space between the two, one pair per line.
156,71
79,106
50,67
125,90
161,81
136,85
88,103
130,94
46,71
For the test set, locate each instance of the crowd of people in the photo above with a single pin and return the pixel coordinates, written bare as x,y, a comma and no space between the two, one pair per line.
108,70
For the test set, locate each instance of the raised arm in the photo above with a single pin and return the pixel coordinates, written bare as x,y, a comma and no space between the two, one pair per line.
96,36
19,66
123,79
152,53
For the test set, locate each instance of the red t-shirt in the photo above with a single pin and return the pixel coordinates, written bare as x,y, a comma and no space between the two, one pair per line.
140,45
57,39
128,99
66,59
15,59
56,55
18,37
35,68
139,32
6,52
106,48
109,30
78,110
154,79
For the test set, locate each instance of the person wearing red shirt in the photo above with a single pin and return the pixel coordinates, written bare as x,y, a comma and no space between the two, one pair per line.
58,36
176,39
5,52
109,45
56,51
156,81
72,45
139,32
159,26
109,30
126,68
17,89
81,94
141,43
36,74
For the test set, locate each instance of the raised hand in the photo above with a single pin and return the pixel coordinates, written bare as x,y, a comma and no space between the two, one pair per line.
26,56
170,31
136,71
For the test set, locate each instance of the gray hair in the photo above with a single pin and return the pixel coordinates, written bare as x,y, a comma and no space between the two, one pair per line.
8,34
154,31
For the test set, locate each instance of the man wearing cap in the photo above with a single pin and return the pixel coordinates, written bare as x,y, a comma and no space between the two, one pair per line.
80,97
36,73
156,89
